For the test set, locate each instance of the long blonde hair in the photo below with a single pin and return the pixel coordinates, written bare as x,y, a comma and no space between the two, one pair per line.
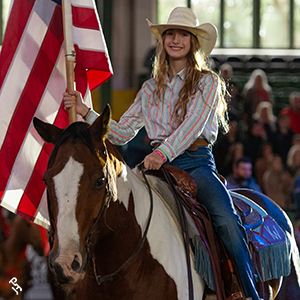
196,66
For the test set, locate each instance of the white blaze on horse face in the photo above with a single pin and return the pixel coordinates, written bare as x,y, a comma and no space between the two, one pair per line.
66,188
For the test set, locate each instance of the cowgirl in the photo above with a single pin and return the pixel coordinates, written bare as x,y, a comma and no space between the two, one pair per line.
182,107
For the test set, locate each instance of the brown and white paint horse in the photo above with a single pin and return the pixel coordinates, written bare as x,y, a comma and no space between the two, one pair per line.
101,245
99,212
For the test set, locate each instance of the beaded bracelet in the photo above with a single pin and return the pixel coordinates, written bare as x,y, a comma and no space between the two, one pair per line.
161,155
84,117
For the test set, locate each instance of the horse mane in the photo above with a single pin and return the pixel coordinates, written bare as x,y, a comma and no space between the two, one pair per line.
77,132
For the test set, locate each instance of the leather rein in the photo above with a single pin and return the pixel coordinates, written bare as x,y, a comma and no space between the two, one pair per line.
184,230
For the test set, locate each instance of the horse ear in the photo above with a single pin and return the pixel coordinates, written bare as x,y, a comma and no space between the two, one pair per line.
48,132
100,127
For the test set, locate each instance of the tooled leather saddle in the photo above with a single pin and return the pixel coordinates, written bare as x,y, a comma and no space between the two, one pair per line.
262,232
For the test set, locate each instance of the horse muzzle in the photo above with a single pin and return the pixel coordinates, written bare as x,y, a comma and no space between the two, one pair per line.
66,266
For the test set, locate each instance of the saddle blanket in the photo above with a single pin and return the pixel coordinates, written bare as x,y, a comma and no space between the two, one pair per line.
271,257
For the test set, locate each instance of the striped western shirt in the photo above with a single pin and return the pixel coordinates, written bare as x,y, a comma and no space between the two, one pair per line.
200,120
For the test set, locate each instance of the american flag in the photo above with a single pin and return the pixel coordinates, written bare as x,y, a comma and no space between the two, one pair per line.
32,80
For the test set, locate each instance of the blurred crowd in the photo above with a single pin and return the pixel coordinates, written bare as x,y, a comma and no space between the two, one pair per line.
261,150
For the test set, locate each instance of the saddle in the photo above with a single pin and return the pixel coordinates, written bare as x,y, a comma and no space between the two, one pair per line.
220,273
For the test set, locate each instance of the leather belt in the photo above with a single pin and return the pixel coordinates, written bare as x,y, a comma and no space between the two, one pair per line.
193,147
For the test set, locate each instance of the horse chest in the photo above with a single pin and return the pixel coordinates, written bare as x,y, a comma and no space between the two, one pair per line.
153,285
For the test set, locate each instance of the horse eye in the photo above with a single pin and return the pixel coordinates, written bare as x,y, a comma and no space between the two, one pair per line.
100,181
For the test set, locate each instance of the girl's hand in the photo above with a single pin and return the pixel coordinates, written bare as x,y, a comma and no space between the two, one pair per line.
72,98
153,161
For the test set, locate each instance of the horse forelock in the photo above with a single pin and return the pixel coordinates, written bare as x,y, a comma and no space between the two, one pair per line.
75,133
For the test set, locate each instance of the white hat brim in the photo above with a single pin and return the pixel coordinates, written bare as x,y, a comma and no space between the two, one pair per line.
206,33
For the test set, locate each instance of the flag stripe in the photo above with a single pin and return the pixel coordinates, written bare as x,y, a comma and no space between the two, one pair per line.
88,39
96,59
84,4
31,96
92,76
12,37
84,18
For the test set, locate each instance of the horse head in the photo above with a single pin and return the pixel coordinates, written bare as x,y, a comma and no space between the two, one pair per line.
82,168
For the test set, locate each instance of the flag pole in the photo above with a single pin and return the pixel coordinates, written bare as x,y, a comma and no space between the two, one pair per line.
69,53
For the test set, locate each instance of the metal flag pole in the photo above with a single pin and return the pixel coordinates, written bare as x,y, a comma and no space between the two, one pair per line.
69,53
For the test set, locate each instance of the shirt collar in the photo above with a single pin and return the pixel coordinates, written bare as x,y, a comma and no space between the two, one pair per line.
181,74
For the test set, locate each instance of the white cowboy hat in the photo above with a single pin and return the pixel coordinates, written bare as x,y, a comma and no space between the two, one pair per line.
184,18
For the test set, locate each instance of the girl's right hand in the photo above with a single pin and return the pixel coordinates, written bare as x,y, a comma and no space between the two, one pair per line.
72,98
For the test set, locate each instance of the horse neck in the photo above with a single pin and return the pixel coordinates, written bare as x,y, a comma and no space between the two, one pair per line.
122,230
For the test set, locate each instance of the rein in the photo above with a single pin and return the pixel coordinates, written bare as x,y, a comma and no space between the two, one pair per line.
184,229
101,279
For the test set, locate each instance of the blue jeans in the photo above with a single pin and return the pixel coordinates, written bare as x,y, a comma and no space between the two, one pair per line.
215,197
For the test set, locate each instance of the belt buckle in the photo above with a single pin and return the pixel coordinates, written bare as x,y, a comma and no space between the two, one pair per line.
192,148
